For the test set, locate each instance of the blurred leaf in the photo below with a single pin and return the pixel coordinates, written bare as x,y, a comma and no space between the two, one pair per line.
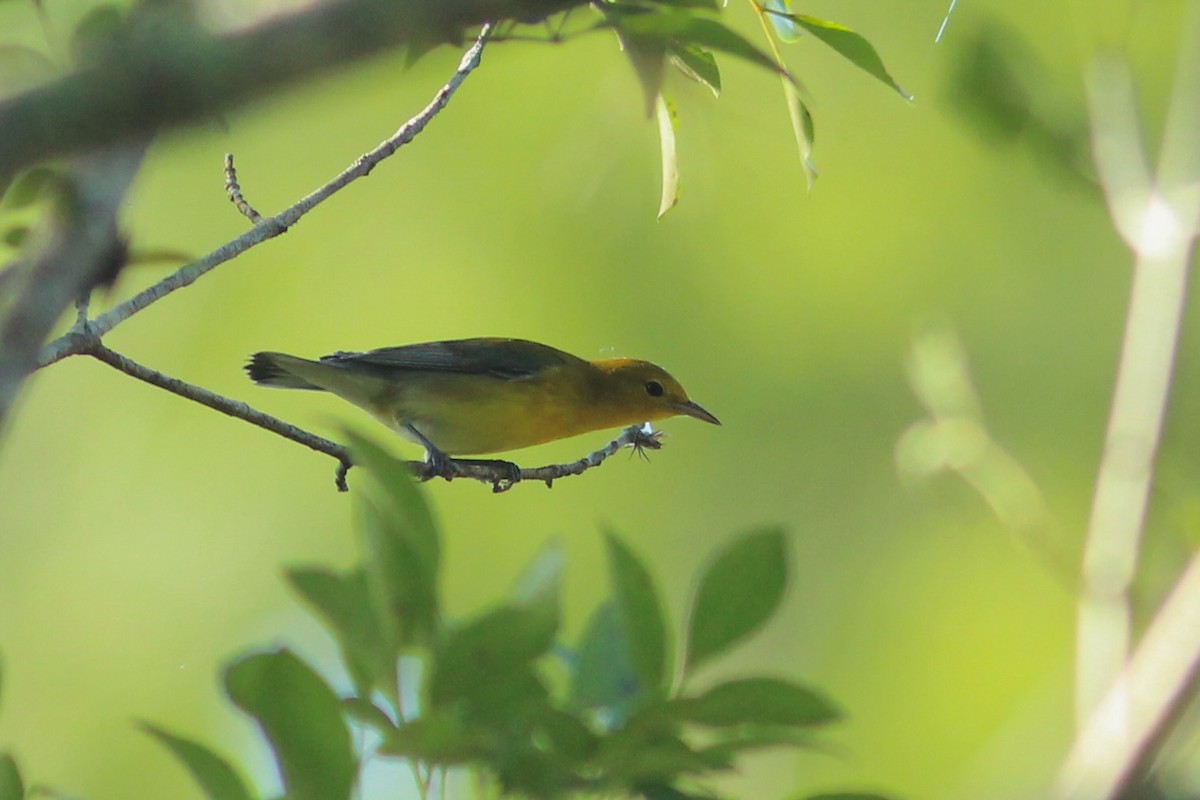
785,28
22,68
476,657
636,759
301,718
662,791
757,701
28,187
12,787
407,502
161,255
753,739
637,600
667,120
798,113
737,594
858,50
437,738
98,33
681,29
538,587
698,65
603,676
568,735
15,236
344,604
1005,92
848,796
646,54
217,778
802,129
402,549
369,715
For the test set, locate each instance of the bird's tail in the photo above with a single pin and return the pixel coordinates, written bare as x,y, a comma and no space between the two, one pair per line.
271,369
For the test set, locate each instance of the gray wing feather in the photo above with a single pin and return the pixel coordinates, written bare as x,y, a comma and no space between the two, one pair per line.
502,358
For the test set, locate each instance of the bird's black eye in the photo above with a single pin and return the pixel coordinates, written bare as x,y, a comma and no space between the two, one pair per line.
654,388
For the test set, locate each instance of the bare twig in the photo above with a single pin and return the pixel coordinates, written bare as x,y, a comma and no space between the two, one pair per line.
235,192
233,408
273,226
79,241
639,437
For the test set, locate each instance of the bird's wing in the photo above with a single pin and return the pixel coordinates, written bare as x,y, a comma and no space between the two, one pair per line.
511,359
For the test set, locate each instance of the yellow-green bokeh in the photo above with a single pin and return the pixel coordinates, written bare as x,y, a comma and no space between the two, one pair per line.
142,537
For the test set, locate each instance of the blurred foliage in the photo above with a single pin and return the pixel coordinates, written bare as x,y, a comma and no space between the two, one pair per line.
626,722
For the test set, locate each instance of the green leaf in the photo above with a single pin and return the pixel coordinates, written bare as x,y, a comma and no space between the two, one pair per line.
344,603
438,738
737,594
667,120
217,778
406,502
803,130
662,791
15,236
698,65
848,796
757,701
478,657
368,715
637,600
683,30
603,675
858,50
402,546
12,787
538,587
638,759
301,717
97,34
28,188
646,54
785,28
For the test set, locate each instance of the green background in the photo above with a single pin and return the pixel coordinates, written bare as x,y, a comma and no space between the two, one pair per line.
142,537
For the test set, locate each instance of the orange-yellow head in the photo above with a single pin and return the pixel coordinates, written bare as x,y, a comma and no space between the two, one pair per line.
640,391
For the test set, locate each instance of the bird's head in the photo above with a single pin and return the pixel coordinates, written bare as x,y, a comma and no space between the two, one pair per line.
643,391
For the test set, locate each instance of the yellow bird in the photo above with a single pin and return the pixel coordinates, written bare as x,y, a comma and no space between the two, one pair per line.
474,396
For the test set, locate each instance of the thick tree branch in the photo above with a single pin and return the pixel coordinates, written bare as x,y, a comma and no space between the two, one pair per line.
170,70
79,248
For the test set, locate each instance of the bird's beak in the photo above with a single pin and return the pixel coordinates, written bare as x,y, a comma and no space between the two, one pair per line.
692,410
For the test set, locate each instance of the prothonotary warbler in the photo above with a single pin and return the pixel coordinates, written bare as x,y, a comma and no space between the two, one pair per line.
474,396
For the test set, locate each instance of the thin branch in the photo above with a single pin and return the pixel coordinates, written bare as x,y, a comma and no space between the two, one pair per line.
1160,230
639,437
235,192
233,408
1152,684
273,226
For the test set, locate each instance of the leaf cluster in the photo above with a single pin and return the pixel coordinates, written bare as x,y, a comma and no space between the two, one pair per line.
622,718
